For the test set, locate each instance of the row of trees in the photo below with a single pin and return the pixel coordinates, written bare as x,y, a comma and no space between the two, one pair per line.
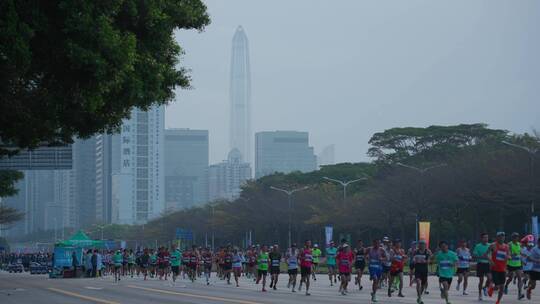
463,179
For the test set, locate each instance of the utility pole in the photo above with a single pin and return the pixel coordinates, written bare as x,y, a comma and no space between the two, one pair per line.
289,195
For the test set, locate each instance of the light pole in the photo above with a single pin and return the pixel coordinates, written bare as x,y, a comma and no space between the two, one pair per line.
212,206
344,184
289,195
532,153
421,171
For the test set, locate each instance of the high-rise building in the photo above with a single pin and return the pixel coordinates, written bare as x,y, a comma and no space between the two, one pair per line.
186,162
327,156
84,172
41,158
104,170
284,152
226,178
137,187
240,96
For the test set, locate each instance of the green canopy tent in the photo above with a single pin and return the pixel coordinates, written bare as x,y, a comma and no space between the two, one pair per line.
80,239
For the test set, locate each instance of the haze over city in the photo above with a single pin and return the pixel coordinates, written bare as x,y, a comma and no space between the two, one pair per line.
343,70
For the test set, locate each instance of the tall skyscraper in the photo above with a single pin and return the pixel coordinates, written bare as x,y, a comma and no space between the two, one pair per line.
84,172
138,183
104,170
284,152
240,96
226,178
186,164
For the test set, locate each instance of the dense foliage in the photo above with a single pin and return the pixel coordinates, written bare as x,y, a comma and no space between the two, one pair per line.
480,184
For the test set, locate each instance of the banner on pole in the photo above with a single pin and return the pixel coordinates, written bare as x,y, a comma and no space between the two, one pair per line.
423,232
535,227
328,231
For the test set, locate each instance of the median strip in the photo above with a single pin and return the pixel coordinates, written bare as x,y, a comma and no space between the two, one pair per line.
80,296
194,295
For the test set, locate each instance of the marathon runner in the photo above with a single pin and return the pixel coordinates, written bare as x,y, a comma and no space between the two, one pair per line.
387,247
446,262
193,263
145,262
153,263
275,262
344,260
410,254
237,260
480,254
534,275
421,258
526,252
227,264
316,255
331,252
118,260
175,259
207,263
463,266
292,266
359,262
262,266
499,253
514,266
306,263
375,256
397,258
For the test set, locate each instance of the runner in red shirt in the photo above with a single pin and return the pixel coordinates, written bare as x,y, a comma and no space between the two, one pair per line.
498,253
344,260
306,262
397,257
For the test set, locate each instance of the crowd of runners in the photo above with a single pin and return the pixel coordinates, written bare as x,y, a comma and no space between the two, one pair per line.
383,262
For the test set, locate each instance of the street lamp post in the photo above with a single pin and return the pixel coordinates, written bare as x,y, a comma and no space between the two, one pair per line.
420,171
532,153
212,227
289,195
344,184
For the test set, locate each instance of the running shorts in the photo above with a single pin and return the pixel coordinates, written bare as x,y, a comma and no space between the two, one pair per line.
482,269
175,270
305,271
448,280
422,276
462,270
345,273
292,271
227,267
261,272
375,273
274,270
513,268
534,275
395,272
360,265
498,277
385,269
331,268
192,266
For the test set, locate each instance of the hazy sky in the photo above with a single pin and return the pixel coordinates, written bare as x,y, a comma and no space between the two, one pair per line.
343,70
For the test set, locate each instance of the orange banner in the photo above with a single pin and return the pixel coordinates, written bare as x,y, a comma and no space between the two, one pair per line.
423,232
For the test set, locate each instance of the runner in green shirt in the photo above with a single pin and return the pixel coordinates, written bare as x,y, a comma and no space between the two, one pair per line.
514,266
331,253
176,257
262,266
446,261
316,252
482,264
118,259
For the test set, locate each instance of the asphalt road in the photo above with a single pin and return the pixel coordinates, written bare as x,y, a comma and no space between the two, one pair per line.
37,289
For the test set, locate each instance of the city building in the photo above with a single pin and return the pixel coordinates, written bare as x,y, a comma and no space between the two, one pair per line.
327,156
240,96
226,178
186,164
41,158
284,152
104,168
137,186
84,174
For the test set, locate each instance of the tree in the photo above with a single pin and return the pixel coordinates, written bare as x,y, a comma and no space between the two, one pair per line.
75,68
7,188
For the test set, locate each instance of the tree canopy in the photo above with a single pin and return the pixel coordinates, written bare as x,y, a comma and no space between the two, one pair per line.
484,185
74,68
